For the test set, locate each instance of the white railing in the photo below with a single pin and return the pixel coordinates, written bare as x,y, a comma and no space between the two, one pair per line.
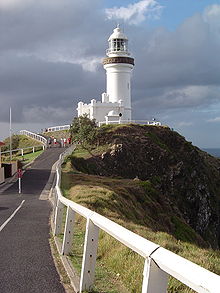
34,136
58,128
22,149
159,262
144,122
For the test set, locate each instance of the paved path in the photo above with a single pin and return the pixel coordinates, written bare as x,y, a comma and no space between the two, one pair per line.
26,264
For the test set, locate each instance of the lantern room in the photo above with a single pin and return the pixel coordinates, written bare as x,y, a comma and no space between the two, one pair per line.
118,44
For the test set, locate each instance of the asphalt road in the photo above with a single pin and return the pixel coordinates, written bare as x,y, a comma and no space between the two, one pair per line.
26,263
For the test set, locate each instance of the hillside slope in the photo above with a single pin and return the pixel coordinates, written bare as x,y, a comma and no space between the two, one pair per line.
20,141
181,181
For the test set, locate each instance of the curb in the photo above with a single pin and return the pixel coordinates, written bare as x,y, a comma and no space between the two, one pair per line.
48,189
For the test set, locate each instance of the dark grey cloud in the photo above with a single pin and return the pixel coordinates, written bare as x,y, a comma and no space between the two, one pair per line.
51,52
180,65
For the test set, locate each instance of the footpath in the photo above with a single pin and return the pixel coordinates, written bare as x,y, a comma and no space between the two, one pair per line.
26,263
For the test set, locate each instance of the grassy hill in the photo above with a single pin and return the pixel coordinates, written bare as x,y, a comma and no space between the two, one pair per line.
153,182
58,134
19,141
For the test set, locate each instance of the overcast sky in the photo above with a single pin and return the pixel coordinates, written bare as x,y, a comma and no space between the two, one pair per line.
51,53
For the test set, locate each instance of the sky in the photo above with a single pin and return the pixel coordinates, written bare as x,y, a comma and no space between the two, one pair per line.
51,53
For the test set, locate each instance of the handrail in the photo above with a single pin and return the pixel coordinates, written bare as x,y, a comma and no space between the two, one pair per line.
120,121
159,262
16,150
58,128
34,136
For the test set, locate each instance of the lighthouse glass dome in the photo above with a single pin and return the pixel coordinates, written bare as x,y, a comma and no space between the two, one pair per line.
118,43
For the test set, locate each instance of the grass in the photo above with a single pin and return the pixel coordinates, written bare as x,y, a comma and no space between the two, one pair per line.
27,158
138,206
19,142
58,134
31,156
157,141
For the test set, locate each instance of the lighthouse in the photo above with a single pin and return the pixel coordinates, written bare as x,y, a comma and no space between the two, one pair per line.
118,66
115,106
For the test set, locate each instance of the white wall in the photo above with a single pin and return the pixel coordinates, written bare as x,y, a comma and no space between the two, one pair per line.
118,83
98,110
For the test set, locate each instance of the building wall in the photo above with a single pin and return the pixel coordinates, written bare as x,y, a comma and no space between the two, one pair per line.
14,167
119,85
98,110
2,175
102,109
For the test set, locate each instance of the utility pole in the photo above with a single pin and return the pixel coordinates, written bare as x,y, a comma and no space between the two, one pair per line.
10,131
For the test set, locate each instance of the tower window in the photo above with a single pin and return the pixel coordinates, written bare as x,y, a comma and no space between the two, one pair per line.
117,45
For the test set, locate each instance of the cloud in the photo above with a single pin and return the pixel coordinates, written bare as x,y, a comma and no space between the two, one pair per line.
11,4
49,114
184,123
135,13
88,63
216,119
50,59
211,15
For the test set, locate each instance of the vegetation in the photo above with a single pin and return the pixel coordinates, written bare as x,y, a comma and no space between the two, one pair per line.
139,206
84,131
19,142
58,134
27,158
23,160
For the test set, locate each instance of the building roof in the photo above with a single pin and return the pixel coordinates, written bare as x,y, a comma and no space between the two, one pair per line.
2,143
117,34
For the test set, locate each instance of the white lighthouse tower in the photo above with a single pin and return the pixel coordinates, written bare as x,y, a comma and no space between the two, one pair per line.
115,106
118,66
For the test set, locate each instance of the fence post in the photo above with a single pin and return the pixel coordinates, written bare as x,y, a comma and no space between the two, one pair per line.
68,231
155,280
58,218
89,256
33,149
22,152
55,197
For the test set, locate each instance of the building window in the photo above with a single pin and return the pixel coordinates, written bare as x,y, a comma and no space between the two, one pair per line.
117,45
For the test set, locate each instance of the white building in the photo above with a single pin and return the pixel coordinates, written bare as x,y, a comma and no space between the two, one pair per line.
115,105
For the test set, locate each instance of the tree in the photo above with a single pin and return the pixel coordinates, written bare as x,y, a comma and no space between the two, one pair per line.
84,131
15,143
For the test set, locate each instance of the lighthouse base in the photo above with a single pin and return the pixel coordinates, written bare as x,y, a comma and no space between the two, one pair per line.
99,110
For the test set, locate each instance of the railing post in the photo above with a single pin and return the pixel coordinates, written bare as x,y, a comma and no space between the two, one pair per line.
89,256
58,218
55,196
33,149
68,231
155,280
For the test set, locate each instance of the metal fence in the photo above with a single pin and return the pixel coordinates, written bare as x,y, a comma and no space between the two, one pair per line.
159,262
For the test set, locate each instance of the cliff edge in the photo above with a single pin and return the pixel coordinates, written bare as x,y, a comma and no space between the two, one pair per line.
185,180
